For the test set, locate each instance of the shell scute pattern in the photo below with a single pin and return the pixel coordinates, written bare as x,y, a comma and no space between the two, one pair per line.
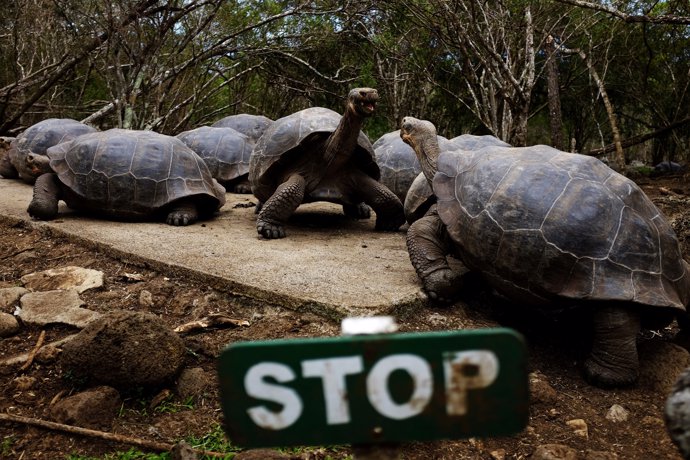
290,138
225,151
124,172
545,231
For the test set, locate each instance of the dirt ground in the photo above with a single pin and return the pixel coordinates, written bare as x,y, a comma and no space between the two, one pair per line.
555,353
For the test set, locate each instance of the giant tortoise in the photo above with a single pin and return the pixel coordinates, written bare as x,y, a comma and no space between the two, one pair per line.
35,140
252,126
124,174
225,151
553,230
317,155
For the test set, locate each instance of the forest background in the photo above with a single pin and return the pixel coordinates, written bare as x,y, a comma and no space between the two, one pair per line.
610,78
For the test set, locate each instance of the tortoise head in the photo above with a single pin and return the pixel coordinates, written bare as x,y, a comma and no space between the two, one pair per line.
421,136
362,101
38,164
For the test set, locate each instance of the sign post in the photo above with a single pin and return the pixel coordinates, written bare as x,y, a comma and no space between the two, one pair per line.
374,389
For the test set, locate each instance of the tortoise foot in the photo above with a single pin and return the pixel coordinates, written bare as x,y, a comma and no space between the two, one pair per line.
357,211
390,224
181,218
242,188
443,286
270,230
603,375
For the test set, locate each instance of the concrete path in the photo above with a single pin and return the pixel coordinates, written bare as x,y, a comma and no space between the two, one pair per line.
328,263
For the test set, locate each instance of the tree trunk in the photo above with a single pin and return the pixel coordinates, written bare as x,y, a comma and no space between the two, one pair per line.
554,95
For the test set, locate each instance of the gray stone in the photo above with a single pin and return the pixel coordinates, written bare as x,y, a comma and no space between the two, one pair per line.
77,278
8,325
554,452
125,350
617,413
9,296
540,390
50,307
192,382
95,408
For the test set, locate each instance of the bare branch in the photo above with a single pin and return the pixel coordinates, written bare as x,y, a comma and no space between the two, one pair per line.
605,8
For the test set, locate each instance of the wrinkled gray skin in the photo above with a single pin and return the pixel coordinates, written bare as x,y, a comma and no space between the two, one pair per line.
252,126
552,230
226,152
317,155
125,174
398,163
677,414
36,140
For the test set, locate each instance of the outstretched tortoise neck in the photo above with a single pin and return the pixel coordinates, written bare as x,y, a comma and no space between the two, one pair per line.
421,136
343,141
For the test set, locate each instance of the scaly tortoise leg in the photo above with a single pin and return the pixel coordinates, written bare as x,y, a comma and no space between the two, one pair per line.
613,361
47,193
279,207
428,246
387,206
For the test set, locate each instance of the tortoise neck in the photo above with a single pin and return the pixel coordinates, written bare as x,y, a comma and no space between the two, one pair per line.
341,144
428,156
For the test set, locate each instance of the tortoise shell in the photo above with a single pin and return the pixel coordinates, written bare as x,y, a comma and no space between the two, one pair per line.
545,225
36,139
472,142
225,151
252,126
132,173
300,137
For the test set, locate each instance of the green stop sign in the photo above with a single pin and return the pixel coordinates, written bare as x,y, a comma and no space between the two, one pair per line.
374,388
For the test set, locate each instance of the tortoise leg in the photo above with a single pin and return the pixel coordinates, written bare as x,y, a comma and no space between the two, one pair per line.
428,246
357,211
613,360
184,212
279,207
387,206
47,193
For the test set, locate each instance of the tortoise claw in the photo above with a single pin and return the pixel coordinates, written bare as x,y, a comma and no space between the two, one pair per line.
443,286
179,219
269,230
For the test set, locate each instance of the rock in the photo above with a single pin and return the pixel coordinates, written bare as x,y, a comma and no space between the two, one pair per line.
145,298
95,408
183,451
125,350
77,278
660,364
42,308
192,382
677,413
579,427
499,454
8,325
10,295
617,414
554,452
540,390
